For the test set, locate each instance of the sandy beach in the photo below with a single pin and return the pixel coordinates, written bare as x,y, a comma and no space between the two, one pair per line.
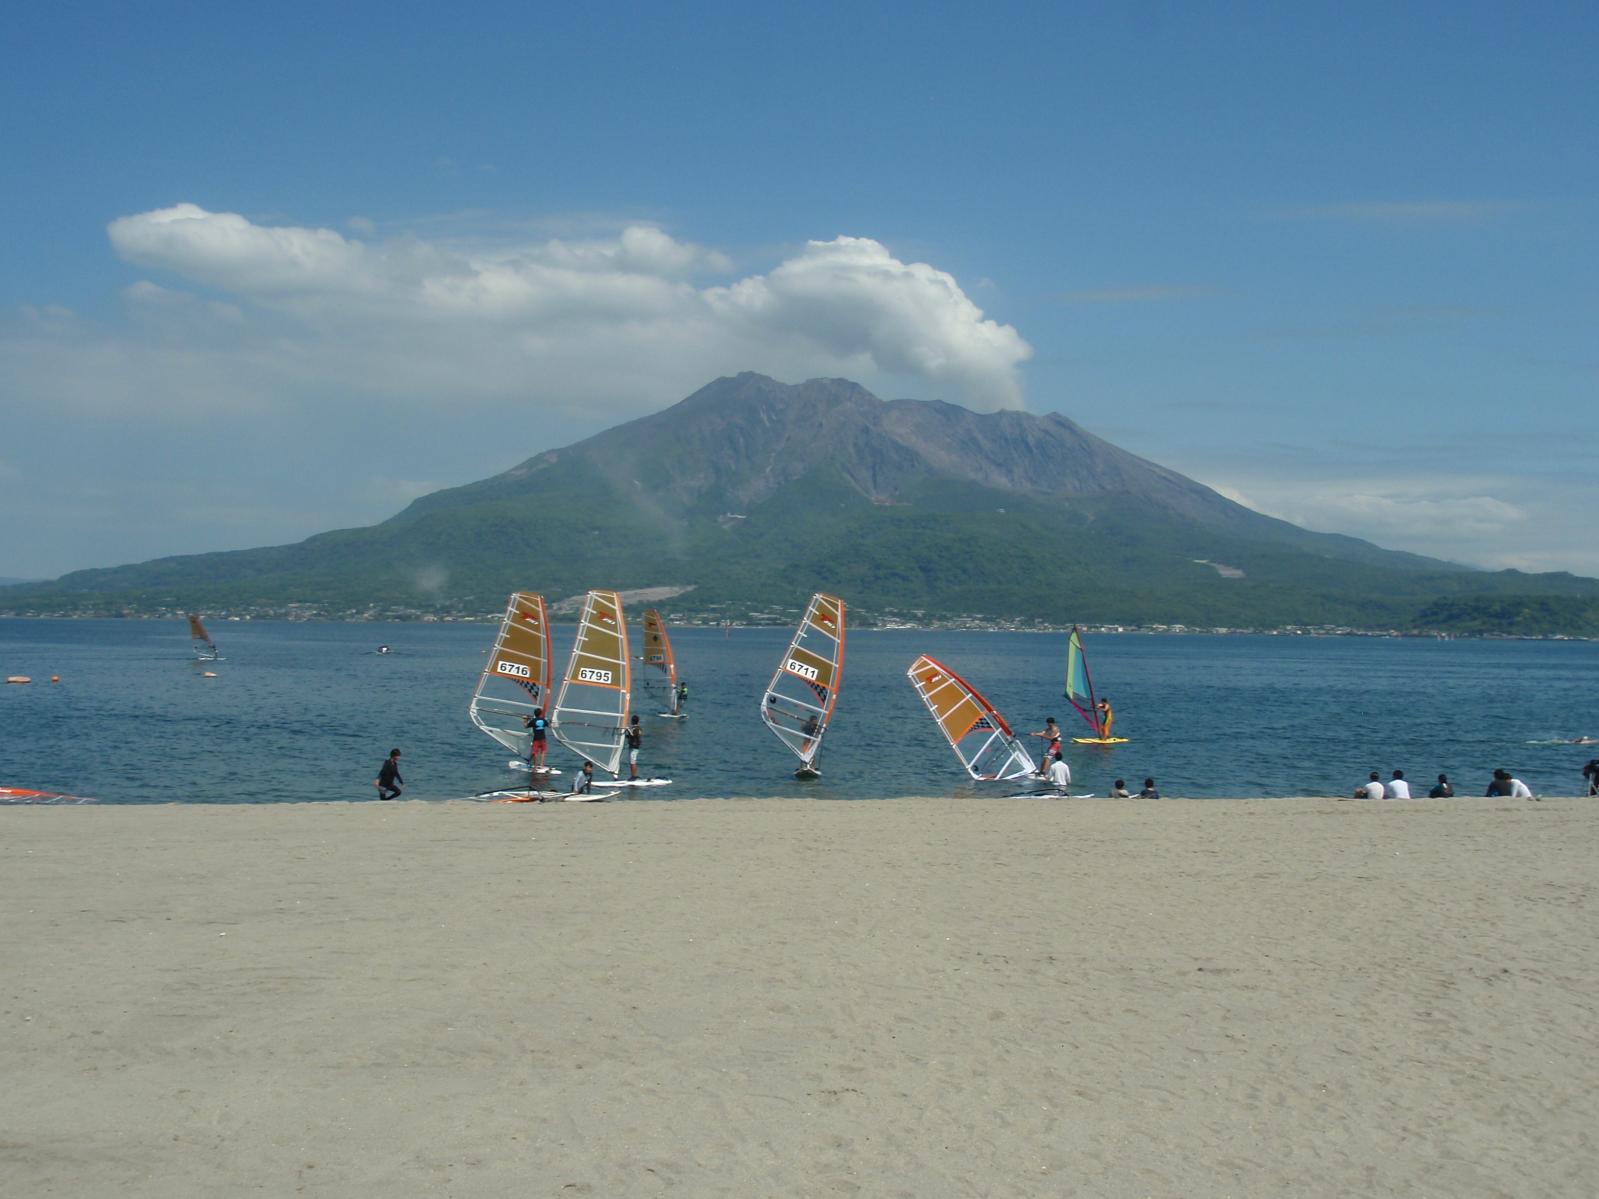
775,998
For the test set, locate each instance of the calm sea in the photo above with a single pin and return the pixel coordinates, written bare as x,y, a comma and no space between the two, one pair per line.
308,711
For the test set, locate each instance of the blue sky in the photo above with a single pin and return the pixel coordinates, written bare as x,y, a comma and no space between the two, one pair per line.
273,271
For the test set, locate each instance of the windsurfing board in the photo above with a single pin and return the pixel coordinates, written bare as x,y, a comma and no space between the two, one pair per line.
24,795
673,715
524,764
545,796
1100,740
639,783
1048,795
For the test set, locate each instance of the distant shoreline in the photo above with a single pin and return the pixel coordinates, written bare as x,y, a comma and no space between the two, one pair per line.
952,625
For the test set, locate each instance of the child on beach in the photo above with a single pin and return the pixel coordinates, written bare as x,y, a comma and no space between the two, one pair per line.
1149,791
1119,791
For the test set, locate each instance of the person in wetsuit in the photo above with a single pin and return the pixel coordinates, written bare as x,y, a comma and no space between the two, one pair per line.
634,735
388,780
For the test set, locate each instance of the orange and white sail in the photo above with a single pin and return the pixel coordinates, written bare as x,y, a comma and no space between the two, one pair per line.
516,680
204,648
800,699
591,711
973,727
658,654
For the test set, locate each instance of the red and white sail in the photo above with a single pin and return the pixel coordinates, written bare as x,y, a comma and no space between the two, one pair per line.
973,727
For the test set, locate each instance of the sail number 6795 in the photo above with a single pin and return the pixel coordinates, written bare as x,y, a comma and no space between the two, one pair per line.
591,674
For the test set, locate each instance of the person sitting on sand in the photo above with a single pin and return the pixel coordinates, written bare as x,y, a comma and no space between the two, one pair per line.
1119,791
1371,788
1060,774
1397,787
1507,786
1591,773
1149,791
1443,790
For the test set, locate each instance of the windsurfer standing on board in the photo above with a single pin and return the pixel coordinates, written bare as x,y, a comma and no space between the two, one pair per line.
634,735
1106,718
540,743
1051,734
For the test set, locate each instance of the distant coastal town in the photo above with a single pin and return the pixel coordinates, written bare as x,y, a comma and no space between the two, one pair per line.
724,616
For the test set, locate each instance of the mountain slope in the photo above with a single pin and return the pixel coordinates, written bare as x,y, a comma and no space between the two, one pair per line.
752,493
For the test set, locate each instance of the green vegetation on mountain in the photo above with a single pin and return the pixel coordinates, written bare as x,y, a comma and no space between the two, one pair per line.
752,494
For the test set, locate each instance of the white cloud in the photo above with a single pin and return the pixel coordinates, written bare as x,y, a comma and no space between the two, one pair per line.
569,319
1481,519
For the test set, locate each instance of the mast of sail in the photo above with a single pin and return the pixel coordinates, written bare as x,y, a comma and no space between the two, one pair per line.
800,699
658,653
1079,686
973,727
516,679
591,711
204,647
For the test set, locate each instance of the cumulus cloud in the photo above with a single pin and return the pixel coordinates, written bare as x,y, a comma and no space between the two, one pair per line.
572,316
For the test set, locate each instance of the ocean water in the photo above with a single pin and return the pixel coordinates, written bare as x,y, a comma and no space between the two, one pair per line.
307,712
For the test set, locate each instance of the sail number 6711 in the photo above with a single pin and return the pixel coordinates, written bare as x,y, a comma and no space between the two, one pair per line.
804,671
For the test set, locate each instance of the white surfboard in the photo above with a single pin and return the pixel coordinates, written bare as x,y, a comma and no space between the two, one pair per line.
1048,795
543,796
639,783
673,715
524,765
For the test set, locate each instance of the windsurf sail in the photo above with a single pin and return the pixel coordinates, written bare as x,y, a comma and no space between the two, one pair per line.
591,710
658,654
1079,686
974,729
516,679
800,699
204,648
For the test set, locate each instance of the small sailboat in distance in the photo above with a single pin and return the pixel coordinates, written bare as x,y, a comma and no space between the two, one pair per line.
800,699
973,727
590,714
658,654
516,679
205,650
1080,691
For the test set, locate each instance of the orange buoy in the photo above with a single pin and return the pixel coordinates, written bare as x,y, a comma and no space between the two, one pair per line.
55,678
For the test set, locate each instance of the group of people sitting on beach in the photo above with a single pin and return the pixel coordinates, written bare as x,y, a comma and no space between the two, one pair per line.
1503,783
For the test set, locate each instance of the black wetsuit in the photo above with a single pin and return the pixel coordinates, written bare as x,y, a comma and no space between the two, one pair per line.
389,779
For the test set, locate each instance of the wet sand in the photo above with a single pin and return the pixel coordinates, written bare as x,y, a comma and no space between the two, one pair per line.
767,997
